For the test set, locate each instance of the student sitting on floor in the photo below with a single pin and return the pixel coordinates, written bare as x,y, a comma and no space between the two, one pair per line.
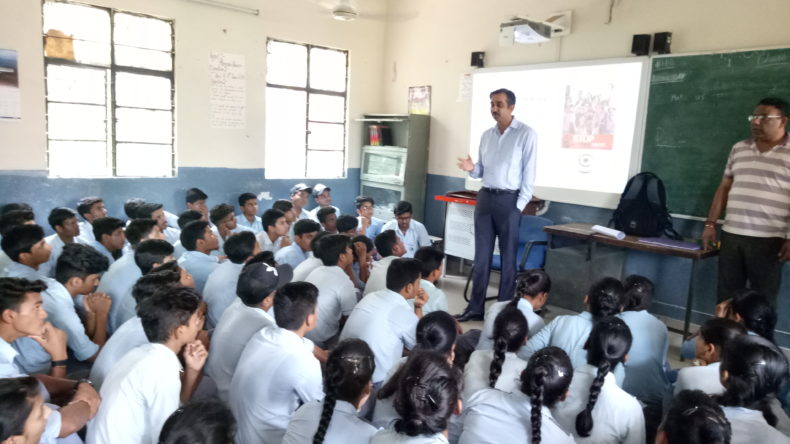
336,293
694,418
299,194
347,225
299,251
288,210
224,220
130,207
428,394
23,414
90,208
390,247
712,337
199,422
498,368
327,217
248,205
275,231
431,259
596,409
523,416
131,333
314,261
369,225
110,238
199,241
246,315
10,219
155,212
145,386
323,198
277,371
196,201
412,233
220,289
753,310
347,386
67,230
183,219
363,250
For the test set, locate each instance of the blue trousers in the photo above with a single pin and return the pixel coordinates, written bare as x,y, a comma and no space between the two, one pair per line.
496,215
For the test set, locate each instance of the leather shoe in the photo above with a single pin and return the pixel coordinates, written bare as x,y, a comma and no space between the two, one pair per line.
469,316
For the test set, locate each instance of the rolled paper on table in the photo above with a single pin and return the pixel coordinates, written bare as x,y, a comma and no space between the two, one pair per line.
617,234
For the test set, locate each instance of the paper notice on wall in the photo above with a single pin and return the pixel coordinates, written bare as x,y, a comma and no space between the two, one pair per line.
464,88
227,91
10,98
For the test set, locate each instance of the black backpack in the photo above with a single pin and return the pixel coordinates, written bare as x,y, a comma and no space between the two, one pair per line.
642,210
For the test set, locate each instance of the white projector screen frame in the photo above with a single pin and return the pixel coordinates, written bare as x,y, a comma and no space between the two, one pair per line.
582,158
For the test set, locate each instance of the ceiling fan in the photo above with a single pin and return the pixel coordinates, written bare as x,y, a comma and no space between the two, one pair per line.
347,10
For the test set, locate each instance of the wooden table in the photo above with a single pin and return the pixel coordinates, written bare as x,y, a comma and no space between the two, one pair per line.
584,231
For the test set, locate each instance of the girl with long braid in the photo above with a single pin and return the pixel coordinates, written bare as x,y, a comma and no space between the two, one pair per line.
347,384
524,416
597,410
498,368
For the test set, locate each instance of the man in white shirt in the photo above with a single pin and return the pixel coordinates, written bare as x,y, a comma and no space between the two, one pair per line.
110,237
323,199
412,233
299,195
296,253
145,386
157,213
277,371
224,221
90,208
275,231
220,289
385,320
248,204
336,293
199,241
247,314
390,247
67,230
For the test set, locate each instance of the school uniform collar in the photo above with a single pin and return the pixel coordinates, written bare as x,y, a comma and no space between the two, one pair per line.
428,284
7,352
524,304
197,255
166,353
398,298
257,311
345,407
286,338
586,315
18,269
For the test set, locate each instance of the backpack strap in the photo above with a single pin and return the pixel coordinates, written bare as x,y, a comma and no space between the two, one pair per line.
634,187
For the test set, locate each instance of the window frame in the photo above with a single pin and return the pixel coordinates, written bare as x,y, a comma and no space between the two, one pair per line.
310,90
110,104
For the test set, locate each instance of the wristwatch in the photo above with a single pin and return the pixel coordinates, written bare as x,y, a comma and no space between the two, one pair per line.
82,381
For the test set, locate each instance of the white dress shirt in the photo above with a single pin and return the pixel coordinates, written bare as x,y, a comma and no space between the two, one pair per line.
390,436
414,238
276,373
568,332
305,268
234,330
617,416
508,160
178,250
56,245
345,427
373,229
139,394
129,336
199,265
117,283
703,377
478,369
534,322
313,214
86,232
172,235
377,280
266,243
750,427
220,290
292,255
103,250
256,225
645,375
437,300
5,261
495,417
336,298
386,322
221,242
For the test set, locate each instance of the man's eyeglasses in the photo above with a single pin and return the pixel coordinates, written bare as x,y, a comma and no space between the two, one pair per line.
752,118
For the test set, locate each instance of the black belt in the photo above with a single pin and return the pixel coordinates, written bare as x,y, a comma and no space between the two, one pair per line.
498,190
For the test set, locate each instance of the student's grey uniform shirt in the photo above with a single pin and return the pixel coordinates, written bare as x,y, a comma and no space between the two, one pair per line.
437,300
266,243
86,232
199,265
750,427
390,436
344,428
305,268
703,377
129,336
256,225
220,290
292,255
117,283
336,298
377,280
56,244
414,238
478,369
645,376
103,250
534,322
568,332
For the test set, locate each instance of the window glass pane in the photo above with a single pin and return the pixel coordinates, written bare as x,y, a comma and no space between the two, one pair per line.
286,64
142,32
143,58
325,136
143,125
285,133
72,84
324,108
76,122
328,69
141,91
78,159
133,159
77,50
324,164
78,22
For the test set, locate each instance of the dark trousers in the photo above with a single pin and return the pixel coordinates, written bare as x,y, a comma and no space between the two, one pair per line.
496,215
749,259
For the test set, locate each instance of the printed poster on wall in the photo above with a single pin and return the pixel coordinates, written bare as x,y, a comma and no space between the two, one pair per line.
420,100
10,97
227,91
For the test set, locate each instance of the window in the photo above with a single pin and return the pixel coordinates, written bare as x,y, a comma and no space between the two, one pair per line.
306,107
110,90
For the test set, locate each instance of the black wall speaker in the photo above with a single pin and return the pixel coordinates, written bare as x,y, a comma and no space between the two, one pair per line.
477,59
640,45
661,42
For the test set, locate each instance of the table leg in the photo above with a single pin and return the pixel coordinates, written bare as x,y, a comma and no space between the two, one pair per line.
690,299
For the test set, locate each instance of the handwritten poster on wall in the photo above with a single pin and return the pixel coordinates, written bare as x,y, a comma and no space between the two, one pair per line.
227,91
9,85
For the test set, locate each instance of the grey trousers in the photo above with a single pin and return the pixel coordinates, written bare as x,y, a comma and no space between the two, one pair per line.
752,260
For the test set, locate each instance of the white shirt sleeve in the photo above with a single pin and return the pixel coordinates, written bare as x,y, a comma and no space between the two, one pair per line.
529,167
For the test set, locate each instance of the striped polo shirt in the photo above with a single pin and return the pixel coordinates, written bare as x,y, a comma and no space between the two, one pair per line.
759,201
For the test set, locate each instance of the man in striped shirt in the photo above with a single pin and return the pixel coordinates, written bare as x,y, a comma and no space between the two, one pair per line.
755,191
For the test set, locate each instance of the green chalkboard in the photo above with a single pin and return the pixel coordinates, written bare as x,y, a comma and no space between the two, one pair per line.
697,110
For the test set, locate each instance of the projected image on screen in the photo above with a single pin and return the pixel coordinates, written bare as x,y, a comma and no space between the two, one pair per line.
589,117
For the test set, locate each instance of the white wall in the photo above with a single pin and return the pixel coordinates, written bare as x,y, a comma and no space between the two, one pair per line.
202,29
434,47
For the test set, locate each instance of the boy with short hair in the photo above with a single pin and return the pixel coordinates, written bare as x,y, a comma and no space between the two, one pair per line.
131,206
196,200
287,208
90,208
314,261
323,199
412,233
277,371
224,220
390,247
247,314
145,386
275,231
183,219
299,194
110,237
327,217
346,224
67,230
369,225
220,287
248,204
431,259
10,218
151,210
199,241
296,253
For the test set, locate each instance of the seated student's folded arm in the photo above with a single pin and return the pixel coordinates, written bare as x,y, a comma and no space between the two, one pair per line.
73,418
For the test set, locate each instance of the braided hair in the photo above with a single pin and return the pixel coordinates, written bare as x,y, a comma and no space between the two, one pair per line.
530,283
695,418
605,298
545,380
428,392
757,313
510,330
608,344
638,292
348,372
